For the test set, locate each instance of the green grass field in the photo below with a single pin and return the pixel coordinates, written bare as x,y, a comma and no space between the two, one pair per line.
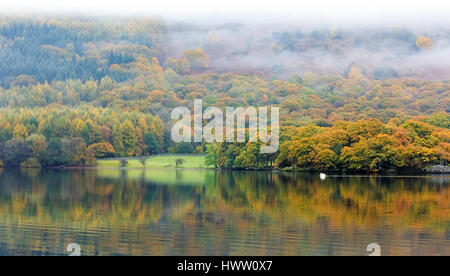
157,161
108,163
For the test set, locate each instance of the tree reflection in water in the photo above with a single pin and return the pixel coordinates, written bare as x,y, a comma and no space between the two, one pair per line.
206,212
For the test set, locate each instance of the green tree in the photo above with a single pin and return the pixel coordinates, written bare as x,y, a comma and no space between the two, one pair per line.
38,144
179,162
152,143
14,152
211,155
125,140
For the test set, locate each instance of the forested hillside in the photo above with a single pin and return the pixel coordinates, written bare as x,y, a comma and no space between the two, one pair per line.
76,89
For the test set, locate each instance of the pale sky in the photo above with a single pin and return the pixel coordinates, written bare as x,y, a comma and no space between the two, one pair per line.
332,9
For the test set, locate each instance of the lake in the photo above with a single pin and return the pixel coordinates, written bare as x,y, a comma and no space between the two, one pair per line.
207,212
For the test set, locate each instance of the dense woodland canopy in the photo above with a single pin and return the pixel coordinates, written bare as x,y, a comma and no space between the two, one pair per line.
76,89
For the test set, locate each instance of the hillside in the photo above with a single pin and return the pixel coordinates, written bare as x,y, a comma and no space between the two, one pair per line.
76,89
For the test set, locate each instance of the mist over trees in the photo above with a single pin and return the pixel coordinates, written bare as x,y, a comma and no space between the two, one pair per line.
74,89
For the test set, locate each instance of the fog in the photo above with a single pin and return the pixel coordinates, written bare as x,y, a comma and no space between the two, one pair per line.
343,10
288,37
295,48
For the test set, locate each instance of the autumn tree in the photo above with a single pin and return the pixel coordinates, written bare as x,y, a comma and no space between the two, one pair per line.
198,60
424,42
102,150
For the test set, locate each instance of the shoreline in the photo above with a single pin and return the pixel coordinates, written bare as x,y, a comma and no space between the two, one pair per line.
197,162
328,174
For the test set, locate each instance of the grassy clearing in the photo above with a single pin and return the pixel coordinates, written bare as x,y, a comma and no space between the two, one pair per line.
108,163
168,161
158,161
134,164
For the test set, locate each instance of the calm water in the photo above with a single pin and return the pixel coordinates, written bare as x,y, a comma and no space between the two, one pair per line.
199,212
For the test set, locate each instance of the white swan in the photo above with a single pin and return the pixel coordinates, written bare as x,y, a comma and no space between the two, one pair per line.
323,176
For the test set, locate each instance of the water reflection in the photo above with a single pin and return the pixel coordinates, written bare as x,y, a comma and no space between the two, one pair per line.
203,212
